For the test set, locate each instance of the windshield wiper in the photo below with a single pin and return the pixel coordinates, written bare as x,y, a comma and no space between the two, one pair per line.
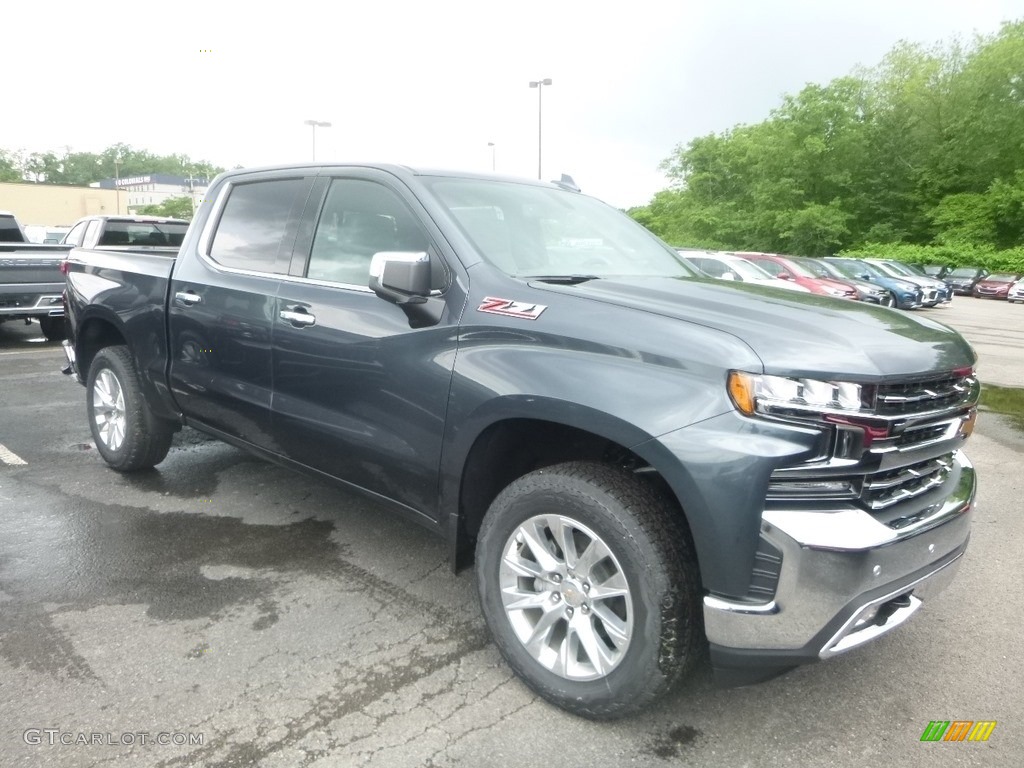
563,279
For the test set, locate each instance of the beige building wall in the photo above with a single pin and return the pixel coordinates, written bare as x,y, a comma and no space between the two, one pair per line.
51,205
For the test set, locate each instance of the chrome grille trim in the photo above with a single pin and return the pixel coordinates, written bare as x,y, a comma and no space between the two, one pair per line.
887,488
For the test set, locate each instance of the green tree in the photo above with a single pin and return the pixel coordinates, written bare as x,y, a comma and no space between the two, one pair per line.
172,207
9,167
925,148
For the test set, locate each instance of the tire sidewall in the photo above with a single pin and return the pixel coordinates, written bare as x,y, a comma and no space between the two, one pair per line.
648,589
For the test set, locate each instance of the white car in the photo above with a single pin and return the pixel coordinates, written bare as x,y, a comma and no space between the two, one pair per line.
1016,292
725,266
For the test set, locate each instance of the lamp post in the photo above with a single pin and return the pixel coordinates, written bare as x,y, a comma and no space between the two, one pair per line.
117,182
539,85
314,124
493,150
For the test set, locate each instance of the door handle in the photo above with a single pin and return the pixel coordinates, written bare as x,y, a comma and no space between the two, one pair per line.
298,319
188,298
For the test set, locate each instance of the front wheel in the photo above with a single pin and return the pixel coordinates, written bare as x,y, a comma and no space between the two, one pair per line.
126,432
589,586
889,300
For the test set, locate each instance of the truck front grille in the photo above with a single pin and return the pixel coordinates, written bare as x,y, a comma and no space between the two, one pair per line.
925,396
884,489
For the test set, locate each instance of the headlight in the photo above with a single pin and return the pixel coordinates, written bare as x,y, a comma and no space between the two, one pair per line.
760,393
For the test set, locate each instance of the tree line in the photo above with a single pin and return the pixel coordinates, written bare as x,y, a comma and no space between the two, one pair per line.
83,168
920,157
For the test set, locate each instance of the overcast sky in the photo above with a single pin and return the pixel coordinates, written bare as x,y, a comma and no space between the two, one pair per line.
430,83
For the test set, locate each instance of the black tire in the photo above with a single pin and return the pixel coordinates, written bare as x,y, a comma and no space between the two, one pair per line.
891,301
54,328
144,439
650,548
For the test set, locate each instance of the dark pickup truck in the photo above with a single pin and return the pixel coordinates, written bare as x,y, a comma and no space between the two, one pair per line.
640,461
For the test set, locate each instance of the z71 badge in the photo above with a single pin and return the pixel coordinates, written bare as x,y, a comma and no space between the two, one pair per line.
510,308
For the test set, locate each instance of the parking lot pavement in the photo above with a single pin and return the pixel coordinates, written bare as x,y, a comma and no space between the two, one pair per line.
995,329
286,623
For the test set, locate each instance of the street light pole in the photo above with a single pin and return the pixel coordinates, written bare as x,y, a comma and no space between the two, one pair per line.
117,182
539,85
314,124
493,151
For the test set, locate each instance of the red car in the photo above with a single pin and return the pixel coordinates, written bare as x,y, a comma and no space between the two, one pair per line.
787,269
995,286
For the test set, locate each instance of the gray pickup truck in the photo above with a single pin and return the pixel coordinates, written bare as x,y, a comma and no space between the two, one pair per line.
642,463
31,282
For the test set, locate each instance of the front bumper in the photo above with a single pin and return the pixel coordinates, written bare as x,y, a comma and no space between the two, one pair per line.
846,578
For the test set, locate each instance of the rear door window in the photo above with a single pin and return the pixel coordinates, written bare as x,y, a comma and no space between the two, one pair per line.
252,231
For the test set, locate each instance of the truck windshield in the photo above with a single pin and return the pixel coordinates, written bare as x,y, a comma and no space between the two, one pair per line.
534,231
144,233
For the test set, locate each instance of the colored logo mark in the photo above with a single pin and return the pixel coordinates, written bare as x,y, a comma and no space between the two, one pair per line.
958,730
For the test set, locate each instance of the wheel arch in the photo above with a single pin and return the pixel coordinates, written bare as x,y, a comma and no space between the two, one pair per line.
506,448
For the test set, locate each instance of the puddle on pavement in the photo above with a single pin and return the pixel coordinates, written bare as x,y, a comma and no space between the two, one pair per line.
1008,401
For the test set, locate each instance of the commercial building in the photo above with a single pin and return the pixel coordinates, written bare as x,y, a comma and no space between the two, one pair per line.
53,205
155,188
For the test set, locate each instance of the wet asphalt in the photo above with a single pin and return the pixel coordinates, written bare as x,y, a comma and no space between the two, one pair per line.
284,622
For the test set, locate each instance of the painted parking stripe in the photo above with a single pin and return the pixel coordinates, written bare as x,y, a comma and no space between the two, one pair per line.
10,457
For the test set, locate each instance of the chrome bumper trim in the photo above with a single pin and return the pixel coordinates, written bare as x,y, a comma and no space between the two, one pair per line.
71,369
853,529
857,631
836,566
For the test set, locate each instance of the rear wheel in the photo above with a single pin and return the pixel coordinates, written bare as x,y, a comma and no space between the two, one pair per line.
589,587
126,432
54,328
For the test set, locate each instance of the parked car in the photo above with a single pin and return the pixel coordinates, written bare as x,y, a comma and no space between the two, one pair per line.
963,279
906,294
935,291
725,266
786,268
938,271
996,286
1016,292
643,464
866,290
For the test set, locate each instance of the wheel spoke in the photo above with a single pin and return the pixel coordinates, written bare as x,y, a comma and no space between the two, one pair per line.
541,635
521,566
518,600
562,532
616,628
595,649
534,538
614,586
595,552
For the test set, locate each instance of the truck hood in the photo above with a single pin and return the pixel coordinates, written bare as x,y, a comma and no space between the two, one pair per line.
794,334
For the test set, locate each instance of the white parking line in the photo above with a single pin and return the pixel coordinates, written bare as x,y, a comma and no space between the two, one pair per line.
10,457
